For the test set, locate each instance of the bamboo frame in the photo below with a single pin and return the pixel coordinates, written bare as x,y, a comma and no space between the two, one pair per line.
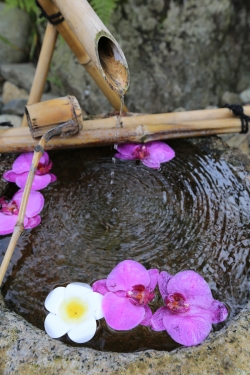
83,58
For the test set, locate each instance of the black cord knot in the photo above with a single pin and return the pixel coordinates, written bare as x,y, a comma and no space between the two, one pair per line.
238,111
54,19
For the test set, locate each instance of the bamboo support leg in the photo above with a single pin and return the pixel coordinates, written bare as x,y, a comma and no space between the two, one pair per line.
42,68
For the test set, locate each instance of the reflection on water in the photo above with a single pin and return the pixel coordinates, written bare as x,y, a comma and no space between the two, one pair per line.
192,214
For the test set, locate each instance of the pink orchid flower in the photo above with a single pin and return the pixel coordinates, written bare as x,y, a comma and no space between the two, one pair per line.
9,210
20,170
151,154
127,291
189,310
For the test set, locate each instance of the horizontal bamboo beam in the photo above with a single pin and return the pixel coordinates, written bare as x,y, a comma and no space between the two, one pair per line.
20,140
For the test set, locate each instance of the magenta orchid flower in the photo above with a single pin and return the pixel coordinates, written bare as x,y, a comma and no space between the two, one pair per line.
189,310
127,291
9,211
151,154
20,170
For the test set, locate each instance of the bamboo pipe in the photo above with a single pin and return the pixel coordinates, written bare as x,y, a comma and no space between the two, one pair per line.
42,68
63,28
19,139
98,42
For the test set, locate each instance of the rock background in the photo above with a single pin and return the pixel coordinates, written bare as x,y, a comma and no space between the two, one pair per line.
181,53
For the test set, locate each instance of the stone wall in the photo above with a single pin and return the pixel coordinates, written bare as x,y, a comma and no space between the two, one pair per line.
181,53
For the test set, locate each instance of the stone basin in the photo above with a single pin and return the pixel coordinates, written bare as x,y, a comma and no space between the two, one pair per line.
26,349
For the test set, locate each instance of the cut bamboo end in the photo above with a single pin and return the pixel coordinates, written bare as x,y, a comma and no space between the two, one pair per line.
44,116
98,42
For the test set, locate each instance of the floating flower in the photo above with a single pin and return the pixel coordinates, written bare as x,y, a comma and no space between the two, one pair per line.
9,210
189,310
127,291
152,154
20,170
73,310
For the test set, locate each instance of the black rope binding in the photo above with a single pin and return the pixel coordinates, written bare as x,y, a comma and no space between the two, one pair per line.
238,110
54,19
6,123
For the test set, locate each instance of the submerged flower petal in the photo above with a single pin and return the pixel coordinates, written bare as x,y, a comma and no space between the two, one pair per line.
146,321
163,280
157,319
55,327
84,331
120,314
33,222
127,274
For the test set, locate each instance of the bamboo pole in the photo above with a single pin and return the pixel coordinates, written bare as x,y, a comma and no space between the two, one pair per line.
42,68
83,58
20,140
98,42
69,128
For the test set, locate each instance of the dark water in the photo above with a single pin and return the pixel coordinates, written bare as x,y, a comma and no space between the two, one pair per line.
192,214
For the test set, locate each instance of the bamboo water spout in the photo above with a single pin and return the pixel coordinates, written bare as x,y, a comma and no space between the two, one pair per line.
98,42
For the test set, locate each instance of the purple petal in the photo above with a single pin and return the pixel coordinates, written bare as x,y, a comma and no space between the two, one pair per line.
127,274
127,149
22,163
8,222
160,151
153,274
100,286
124,157
187,330
53,178
151,163
147,317
157,319
163,280
218,311
39,182
120,314
194,288
33,222
10,176
44,158
35,202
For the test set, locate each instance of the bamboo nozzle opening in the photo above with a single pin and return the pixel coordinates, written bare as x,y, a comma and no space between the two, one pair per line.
113,65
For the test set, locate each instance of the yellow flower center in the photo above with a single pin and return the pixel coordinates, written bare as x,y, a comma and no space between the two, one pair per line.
74,311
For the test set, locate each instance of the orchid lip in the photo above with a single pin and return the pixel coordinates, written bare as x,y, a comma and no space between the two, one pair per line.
176,303
139,295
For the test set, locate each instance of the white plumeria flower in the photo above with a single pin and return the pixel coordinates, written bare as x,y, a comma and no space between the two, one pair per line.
73,310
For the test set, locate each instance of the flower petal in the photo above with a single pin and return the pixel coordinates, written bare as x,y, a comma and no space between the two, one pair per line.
157,319
33,222
22,163
84,331
53,177
160,151
185,329
127,149
147,317
35,202
120,313
54,299
77,290
195,289
7,223
39,182
153,274
95,303
55,327
100,286
10,176
44,158
218,311
163,280
127,274
124,157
